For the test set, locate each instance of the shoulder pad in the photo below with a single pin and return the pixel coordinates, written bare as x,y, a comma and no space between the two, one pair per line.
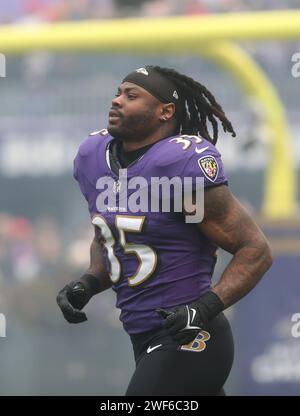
93,141
205,160
189,156
180,149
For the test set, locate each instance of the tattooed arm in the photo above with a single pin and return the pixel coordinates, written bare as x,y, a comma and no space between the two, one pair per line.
227,224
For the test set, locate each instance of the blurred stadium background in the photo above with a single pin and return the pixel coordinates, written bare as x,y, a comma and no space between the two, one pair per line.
49,102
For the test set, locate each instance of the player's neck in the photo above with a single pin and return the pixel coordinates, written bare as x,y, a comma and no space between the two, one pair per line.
129,146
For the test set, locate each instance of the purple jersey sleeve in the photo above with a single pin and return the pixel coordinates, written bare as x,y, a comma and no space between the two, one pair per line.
79,176
206,164
85,164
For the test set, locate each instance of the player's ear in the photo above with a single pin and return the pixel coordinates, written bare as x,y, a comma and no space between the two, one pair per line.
167,111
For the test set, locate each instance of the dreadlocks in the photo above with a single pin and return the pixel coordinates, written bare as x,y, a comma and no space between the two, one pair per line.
200,107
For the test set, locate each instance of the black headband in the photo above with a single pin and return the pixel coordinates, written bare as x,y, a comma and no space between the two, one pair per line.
155,83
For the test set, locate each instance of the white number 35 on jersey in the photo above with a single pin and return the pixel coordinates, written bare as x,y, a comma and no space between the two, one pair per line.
146,256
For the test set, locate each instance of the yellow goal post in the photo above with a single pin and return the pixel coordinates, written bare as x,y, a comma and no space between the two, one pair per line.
211,36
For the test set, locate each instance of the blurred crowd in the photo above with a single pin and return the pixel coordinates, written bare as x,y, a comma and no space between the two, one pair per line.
57,10
31,250
36,259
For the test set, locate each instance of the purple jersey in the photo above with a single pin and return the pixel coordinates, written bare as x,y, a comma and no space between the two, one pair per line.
155,259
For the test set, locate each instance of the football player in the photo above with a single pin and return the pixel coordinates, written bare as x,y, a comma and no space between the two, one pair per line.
163,124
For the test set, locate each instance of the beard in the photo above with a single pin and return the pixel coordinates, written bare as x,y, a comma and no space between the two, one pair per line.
134,127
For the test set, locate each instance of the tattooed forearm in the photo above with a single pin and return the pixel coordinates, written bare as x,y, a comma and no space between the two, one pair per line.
244,271
230,227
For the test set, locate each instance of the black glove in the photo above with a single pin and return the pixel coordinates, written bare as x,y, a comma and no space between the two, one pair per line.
186,321
74,296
